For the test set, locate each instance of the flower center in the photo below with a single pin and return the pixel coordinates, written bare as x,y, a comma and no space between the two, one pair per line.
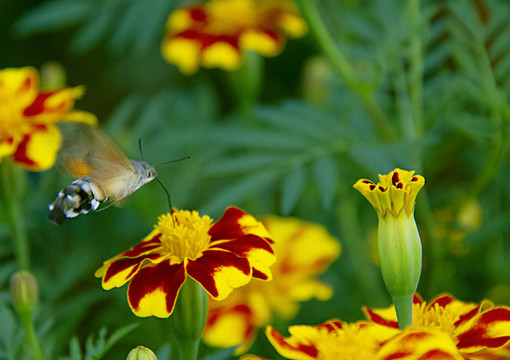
439,318
184,234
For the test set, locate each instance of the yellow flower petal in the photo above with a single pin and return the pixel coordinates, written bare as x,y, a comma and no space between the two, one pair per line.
222,55
184,53
260,42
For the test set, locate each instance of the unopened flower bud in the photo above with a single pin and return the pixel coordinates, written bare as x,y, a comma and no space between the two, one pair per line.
141,353
24,290
399,244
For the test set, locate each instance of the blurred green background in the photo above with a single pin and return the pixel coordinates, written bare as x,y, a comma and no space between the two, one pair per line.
437,73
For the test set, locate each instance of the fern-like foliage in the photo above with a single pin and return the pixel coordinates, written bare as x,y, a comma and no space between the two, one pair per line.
96,347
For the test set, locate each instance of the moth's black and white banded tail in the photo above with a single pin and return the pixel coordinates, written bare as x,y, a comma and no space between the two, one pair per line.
75,199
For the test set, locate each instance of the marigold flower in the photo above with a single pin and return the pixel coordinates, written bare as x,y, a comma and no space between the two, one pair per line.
304,250
216,33
330,340
28,117
220,257
471,327
362,340
399,243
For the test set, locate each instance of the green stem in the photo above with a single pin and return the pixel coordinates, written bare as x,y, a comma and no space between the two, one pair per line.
28,325
246,83
344,68
404,309
188,319
12,182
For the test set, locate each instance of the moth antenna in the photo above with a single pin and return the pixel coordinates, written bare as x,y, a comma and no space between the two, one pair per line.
172,161
168,198
140,147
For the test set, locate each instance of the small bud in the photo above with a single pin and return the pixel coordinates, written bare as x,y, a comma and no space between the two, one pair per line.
141,353
53,76
24,290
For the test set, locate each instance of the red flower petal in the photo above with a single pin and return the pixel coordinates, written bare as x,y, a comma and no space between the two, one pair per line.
143,247
280,343
228,226
235,224
212,265
153,290
198,14
442,301
37,107
374,317
123,264
242,246
488,330
20,155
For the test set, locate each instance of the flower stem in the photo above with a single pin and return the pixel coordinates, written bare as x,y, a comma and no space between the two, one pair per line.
12,182
404,309
188,319
344,68
28,325
246,83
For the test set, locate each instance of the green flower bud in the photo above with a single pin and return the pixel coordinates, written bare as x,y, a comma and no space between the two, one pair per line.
24,290
399,244
141,353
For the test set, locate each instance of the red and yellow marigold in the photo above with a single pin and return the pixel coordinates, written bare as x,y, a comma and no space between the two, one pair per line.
220,257
304,250
28,118
475,329
361,340
216,33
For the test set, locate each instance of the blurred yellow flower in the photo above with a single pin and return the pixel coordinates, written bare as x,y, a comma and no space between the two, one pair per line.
453,227
304,251
28,118
215,34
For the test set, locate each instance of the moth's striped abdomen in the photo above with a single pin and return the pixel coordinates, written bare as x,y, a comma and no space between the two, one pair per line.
80,196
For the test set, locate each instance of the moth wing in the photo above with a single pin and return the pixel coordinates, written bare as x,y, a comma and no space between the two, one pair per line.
88,151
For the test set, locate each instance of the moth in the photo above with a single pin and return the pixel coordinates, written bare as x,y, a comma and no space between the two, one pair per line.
104,174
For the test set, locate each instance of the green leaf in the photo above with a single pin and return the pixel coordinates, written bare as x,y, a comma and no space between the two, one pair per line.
241,164
326,176
222,354
95,30
117,335
8,328
118,121
74,350
54,15
263,139
292,187
297,118
241,190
